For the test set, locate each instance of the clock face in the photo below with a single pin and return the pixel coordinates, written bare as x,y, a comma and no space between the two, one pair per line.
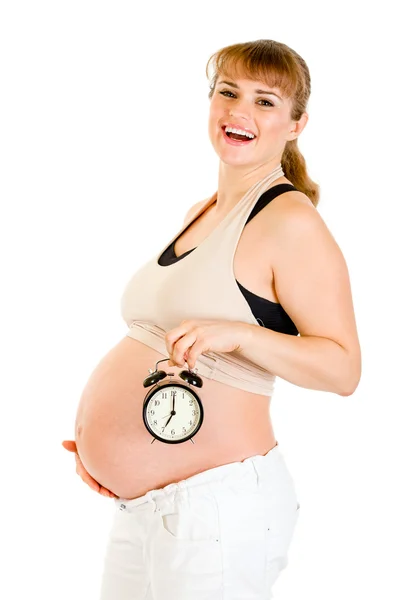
163,402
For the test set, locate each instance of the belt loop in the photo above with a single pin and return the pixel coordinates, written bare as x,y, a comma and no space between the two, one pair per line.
150,499
182,493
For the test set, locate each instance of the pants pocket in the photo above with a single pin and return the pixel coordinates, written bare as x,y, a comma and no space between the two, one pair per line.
194,521
186,555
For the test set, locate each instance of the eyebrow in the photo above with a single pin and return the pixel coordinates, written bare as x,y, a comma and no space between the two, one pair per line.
234,85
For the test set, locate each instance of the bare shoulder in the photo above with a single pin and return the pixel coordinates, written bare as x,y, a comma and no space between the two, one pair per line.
299,229
292,217
193,210
292,199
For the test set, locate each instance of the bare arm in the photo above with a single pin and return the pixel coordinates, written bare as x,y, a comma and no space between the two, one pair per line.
313,286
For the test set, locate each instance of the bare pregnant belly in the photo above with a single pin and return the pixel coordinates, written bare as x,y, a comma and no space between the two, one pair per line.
115,446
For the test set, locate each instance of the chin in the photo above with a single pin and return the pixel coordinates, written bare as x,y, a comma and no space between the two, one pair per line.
235,161
228,157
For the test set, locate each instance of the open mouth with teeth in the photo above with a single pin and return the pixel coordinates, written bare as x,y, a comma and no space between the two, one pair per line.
239,137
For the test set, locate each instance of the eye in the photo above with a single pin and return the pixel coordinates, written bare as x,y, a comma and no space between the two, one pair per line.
226,92
233,95
268,102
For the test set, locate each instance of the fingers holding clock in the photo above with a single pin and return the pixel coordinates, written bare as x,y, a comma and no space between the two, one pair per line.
194,337
181,347
193,353
189,357
176,361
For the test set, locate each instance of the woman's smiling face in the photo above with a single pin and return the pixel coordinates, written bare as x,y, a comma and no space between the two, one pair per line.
245,104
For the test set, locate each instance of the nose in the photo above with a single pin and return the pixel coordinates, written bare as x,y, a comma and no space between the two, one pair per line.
240,111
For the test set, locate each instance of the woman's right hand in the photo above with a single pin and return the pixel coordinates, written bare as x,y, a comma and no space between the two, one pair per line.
70,445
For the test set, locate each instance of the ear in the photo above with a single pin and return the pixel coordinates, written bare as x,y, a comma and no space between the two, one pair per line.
297,127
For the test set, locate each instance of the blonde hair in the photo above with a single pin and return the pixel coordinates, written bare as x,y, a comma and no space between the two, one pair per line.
281,67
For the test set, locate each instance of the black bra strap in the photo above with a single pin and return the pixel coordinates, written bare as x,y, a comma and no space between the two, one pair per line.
270,194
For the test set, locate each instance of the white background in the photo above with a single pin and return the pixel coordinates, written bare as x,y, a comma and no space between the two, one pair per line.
104,148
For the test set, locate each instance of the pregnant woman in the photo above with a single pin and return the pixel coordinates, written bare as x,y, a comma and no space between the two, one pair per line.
252,287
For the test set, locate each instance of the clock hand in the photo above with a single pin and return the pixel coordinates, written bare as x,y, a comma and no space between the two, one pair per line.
173,410
172,414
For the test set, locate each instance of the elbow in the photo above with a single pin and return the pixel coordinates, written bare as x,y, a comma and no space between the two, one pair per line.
350,383
349,390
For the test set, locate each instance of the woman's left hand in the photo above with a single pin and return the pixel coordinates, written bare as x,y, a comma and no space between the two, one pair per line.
195,336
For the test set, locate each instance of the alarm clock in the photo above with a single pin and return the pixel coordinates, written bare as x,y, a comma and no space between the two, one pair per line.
172,411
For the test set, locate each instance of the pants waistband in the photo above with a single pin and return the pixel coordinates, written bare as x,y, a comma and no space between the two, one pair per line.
221,473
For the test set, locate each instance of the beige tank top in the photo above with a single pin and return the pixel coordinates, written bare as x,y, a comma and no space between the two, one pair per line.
200,286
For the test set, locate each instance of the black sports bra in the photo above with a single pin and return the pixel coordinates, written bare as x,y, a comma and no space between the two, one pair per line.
269,314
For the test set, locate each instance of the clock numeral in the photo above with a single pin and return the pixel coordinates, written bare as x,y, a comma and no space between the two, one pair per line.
190,402
183,429
155,421
172,431
157,403
190,422
163,394
193,412
152,412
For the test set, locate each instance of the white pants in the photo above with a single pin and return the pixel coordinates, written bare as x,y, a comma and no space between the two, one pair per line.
222,534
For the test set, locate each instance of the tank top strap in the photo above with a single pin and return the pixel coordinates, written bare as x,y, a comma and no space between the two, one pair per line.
235,217
224,240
